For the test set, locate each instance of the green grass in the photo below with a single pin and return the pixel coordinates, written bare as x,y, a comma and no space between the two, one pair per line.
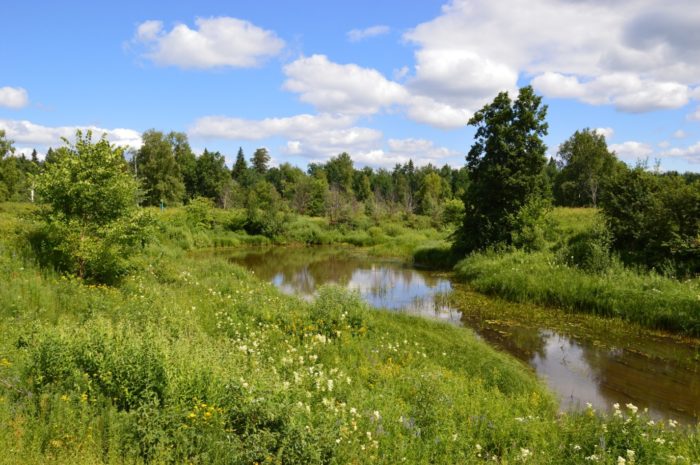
643,297
193,360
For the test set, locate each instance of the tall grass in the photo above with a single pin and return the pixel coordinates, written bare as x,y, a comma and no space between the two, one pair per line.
611,289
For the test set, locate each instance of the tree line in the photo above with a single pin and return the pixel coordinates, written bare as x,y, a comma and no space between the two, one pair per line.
500,198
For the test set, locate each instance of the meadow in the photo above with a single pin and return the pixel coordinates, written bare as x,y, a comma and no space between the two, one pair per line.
192,359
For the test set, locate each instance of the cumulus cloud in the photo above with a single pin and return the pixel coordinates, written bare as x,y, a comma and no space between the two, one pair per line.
319,137
420,151
606,132
354,90
346,88
215,42
246,129
632,150
690,153
13,97
636,56
36,135
357,35
624,90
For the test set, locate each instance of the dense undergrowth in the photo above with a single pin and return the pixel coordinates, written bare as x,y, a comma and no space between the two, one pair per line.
196,361
576,272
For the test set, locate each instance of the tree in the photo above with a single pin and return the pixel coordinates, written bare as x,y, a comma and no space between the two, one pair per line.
339,171
587,164
92,223
158,170
186,162
260,160
240,168
212,174
654,220
6,177
505,166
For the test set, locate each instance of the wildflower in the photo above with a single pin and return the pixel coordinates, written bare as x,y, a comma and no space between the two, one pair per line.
660,441
478,447
616,406
633,408
630,455
525,453
672,423
577,447
376,414
621,460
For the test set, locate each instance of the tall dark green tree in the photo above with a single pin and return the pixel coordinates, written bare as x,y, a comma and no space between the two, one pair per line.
505,166
158,170
212,175
240,168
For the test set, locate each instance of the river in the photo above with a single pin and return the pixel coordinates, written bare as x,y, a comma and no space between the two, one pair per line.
583,359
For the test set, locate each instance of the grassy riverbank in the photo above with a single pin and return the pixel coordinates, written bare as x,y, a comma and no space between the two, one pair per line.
547,277
196,361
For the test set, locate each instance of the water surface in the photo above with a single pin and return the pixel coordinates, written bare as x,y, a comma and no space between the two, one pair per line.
649,370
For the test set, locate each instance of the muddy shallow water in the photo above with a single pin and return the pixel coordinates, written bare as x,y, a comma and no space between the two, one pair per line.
581,365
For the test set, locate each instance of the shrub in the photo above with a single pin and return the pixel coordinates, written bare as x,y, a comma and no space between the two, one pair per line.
92,224
336,309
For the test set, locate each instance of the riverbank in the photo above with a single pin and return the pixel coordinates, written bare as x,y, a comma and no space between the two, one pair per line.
196,360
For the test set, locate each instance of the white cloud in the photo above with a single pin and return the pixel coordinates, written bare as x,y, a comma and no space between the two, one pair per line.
13,97
664,144
319,137
694,116
632,150
357,35
348,88
36,135
353,90
437,114
606,132
690,153
460,77
637,56
420,151
680,134
246,129
624,90
215,42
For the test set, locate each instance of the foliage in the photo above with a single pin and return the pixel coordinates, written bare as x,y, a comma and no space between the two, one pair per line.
158,170
194,360
655,220
260,161
505,165
91,221
587,165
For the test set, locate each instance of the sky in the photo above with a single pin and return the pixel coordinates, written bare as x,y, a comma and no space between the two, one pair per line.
385,80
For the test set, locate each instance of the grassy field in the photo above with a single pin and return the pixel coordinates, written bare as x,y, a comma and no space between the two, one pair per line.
196,361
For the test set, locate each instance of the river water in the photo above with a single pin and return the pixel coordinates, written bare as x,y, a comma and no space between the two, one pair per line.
647,369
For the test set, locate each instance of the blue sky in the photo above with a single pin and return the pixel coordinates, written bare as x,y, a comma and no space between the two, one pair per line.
382,80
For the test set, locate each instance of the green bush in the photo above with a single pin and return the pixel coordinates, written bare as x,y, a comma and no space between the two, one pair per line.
335,310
